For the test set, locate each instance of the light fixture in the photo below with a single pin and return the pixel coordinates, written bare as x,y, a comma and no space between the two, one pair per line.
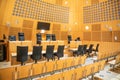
76,23
66,2
42,31
86,27
8,24
110,28
86,1
115,38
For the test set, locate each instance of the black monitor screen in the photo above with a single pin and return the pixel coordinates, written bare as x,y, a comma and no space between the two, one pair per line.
53,37
12,38
43,26
48,37
21,36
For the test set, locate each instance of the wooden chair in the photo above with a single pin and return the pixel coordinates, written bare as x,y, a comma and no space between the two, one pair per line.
57,76
79,73
69,62
7,73
83,59
69,75
77,60
89,70
38,68
60,64
23,71
49,66
101,65
113,63
96,68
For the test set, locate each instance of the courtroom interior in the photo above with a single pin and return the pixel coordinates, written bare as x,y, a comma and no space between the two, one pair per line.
59,39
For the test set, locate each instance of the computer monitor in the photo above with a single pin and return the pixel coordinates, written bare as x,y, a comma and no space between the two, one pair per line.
21,36
48,37
12,38
39,38
53,37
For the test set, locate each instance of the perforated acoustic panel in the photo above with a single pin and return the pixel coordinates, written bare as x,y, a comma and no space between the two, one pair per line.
40,10
96,36
28,24
107,36
87,36
104,11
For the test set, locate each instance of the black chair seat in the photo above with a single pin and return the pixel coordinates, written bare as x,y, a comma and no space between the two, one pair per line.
22,54
37,53
60,51
49,52
79,51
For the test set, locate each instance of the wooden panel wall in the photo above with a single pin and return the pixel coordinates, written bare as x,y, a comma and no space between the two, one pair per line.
96,27
14,31
28,24
56,29
27,33
107,36
117,35
96,36
87,36
64,35
94,1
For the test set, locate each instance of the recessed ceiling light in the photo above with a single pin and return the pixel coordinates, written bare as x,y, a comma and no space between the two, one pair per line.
66,2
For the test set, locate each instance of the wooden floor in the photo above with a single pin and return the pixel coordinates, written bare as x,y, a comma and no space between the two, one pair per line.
106,74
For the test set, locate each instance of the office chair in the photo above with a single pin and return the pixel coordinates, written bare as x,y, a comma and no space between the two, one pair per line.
69,39
36,53
79,51
96,50
22,54
49,52
84,49
60,51
39,38
90,49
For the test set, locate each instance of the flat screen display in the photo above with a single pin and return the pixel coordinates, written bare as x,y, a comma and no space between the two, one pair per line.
43,26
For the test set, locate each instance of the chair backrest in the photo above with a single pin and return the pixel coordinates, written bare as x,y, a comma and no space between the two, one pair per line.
21,36
69,38
80,49
39,38
49,51
60,51
22,53
23,71
97,47
37,52
84,49
90,48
